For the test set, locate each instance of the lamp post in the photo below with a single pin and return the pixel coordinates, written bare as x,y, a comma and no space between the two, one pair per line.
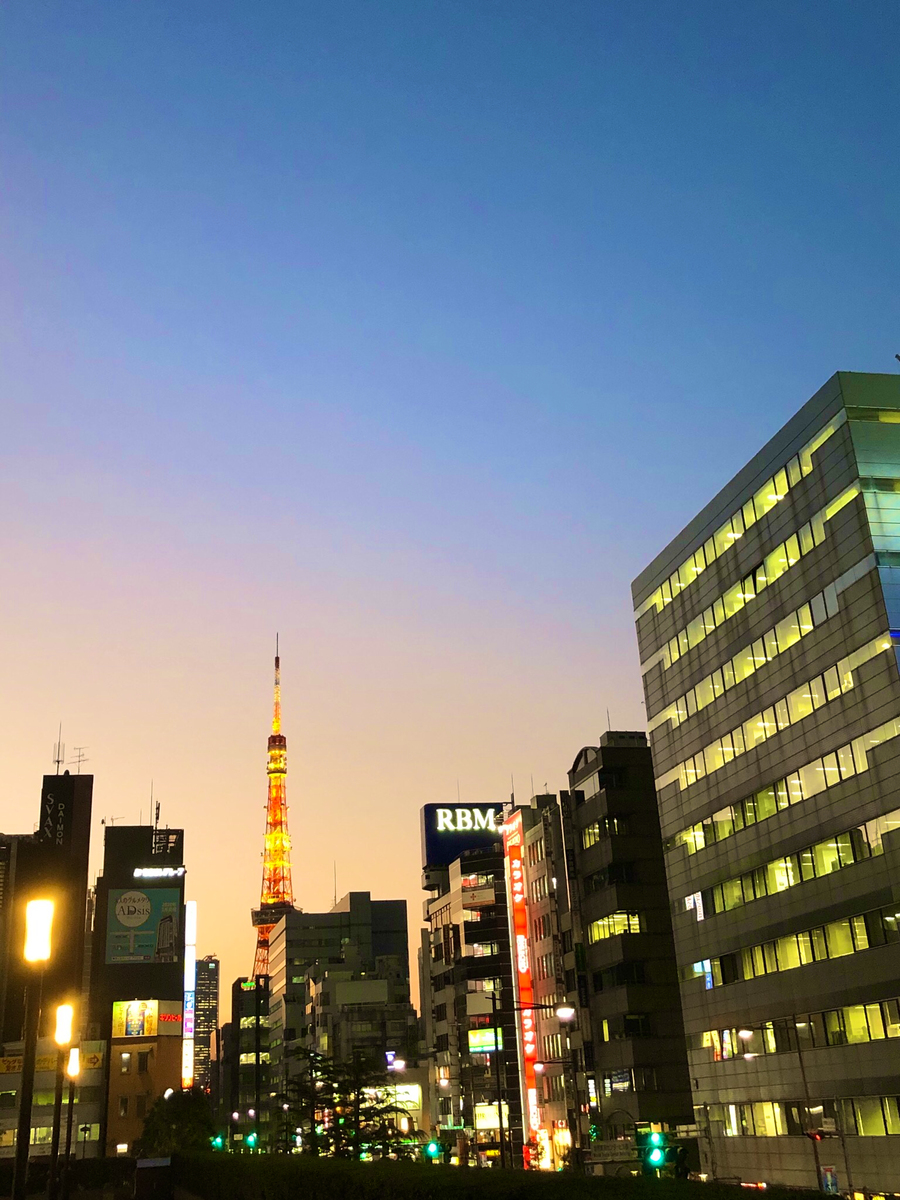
63,1037
38,926
73,1069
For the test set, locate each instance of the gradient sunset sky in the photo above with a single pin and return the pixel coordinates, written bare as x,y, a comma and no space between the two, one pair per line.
413,331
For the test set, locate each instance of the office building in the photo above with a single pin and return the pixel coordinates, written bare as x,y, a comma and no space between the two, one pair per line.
466,976
766,631
206,1018
245,1066
137,988
622,922
340,982
52,861
89,1103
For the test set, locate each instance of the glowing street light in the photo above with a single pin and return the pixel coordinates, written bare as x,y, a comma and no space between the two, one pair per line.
73,1070
38,927
65,1015
36,952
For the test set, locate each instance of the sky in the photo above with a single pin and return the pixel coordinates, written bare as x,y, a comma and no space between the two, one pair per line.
412,331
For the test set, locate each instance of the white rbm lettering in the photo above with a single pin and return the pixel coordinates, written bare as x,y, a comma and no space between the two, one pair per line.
465,820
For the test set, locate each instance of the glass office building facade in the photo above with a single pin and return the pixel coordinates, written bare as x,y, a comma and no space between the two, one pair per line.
768,633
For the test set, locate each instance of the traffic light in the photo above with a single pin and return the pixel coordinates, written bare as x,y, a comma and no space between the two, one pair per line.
251,1140
432,1150
217,1142
653,1150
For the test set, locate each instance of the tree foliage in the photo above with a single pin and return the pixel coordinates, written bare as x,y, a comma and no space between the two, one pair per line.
178,1124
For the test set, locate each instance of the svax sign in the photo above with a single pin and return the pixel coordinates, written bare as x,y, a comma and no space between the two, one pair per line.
450,829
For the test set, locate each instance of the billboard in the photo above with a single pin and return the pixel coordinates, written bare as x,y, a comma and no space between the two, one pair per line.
513,846
142,925
170,1018
484,1041
135,1018
448,830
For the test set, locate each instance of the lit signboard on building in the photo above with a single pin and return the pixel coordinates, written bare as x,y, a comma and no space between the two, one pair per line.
142,925
158,872
487,1117
135,1018
513,839
485,1041
190,988
448,830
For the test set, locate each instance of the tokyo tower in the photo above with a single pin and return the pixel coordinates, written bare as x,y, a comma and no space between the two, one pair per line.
277,894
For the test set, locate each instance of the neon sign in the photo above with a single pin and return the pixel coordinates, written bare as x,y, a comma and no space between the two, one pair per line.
513,838
461,820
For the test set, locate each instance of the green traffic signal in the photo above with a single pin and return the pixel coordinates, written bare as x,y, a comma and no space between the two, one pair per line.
657,1139
433,1149
251,1140
217,1142
656,1157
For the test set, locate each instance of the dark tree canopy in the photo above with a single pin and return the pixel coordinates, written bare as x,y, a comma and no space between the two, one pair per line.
180,1123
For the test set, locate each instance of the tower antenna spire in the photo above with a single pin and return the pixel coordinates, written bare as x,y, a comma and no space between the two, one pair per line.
277,895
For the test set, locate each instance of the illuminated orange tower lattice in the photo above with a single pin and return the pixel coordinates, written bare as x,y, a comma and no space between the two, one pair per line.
277,893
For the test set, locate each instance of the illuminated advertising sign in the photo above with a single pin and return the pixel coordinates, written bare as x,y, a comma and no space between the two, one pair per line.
135,1018
158,872
487,1117
513,844
170,1020
142,925
190,986
448,830
483,1041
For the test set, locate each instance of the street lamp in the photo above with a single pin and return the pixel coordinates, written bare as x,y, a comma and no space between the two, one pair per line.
73,1070
63,1036
38,929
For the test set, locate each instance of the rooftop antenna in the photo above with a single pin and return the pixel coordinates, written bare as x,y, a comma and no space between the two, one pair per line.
80,758
59,750
512,789
458,801
335,884
608,726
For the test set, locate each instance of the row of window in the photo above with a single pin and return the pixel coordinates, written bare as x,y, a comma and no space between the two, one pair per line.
613,925
545,967
535,852
753,510
552,1046
848,1026
629,1079
747,661
539,888
833,854
605,827
848,935
615,873
865,1116
809,780
620,974
599,781
42,1135
742,593
542,927
789,710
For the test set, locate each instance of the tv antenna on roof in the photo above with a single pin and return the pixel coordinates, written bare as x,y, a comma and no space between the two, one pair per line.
80,757
59,750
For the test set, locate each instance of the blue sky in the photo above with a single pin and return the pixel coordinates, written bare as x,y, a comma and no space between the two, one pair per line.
415,330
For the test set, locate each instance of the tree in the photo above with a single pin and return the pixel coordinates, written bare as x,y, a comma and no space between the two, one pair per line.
179,1122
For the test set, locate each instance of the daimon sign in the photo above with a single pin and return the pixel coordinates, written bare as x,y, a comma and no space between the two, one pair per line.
513,840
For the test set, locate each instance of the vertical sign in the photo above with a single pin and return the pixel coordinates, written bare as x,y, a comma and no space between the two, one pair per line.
190,989
513,843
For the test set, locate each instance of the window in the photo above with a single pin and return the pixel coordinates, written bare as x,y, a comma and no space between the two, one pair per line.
772,491
794,707
636,1025
837,939
613,925
125,1063
833,854
123,1106
816,776
143,1061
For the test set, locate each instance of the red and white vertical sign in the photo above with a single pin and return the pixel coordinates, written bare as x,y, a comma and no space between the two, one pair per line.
513,845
